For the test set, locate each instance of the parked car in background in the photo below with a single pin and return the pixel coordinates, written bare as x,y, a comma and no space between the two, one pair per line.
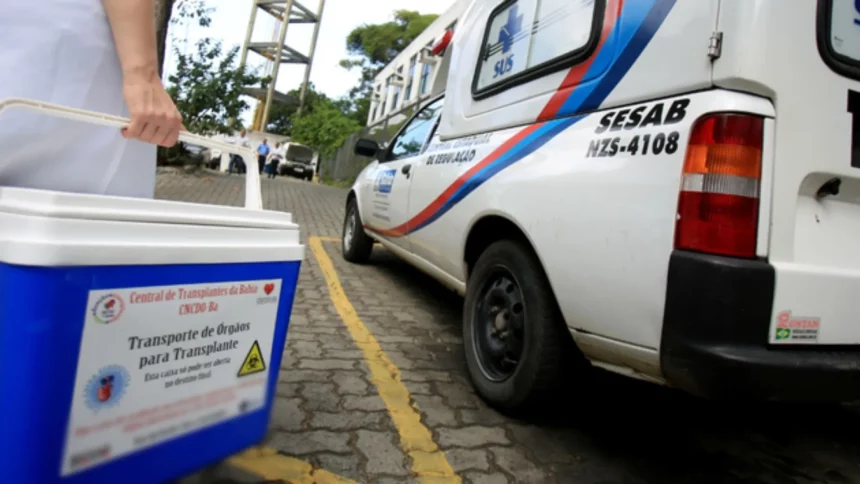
198,155
213,162
300,161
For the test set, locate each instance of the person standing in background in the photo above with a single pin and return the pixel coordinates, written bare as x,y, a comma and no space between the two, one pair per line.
236,160
97,55
262,154
275,159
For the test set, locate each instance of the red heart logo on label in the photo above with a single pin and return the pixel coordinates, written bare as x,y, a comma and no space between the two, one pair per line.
269,288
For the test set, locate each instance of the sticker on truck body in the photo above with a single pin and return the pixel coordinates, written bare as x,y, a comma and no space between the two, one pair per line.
157,363
793,329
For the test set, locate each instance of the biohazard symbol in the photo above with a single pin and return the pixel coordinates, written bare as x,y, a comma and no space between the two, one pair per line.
254,362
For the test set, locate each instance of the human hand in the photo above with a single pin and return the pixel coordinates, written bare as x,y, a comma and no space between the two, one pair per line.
154,117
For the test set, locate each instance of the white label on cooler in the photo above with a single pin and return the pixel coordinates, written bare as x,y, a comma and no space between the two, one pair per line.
160,362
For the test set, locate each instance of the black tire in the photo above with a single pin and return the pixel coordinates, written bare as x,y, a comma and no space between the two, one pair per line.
544,341
359,246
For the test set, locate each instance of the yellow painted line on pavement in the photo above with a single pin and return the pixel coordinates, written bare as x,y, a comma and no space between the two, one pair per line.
271,465
329,239
429,463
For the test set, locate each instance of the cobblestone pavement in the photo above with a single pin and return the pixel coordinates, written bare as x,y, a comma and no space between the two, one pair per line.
611,430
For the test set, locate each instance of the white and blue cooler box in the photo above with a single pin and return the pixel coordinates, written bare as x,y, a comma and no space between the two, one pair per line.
140,340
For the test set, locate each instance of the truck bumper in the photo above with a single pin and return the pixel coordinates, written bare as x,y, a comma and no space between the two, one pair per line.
295,170
715,338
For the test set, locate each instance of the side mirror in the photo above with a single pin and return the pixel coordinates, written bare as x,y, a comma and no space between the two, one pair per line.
366,147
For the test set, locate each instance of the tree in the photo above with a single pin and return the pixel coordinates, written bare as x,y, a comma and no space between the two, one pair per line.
162,13
208,86
325,127
188,11
193,11
379,44
281,115
372,47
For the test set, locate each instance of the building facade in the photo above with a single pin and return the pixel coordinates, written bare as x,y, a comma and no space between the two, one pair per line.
408,80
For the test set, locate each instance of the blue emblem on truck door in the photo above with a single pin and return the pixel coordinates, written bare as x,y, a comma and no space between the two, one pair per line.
508,36
384,181
508,33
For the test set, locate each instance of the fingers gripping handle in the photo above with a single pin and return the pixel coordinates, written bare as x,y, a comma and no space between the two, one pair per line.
253,197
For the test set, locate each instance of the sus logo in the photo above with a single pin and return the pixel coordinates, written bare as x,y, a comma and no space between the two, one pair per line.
384,181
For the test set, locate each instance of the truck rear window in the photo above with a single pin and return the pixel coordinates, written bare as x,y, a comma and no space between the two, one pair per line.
299,153
526,39
839,35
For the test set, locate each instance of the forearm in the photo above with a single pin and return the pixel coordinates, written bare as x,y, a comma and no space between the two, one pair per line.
133,27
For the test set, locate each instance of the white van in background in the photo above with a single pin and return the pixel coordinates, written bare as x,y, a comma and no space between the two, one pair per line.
673,183
300,162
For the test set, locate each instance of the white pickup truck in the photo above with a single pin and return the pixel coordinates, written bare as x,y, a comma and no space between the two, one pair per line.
668,189
299,161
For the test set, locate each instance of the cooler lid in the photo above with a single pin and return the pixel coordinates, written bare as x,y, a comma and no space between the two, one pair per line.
59,205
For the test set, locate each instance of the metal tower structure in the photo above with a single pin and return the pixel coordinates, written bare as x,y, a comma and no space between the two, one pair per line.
276,52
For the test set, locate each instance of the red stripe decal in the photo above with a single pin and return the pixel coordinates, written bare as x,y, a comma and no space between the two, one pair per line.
575,75
442,198
436,204
387,232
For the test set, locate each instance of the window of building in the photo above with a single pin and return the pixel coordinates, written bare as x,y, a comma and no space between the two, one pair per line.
373,113
426,69
396,90
412,63
530,38
385,96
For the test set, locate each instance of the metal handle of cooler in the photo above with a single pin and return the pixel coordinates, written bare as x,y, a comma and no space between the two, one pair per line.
253,196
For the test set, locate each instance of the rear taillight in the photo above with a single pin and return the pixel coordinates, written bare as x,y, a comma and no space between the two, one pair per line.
719,200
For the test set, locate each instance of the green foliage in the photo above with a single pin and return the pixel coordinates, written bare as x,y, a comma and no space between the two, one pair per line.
193,11
207,87
374,46
281,115
324,127
378,44
281,118
324,123
360,108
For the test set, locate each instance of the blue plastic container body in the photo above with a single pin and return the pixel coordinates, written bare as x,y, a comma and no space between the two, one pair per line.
41,326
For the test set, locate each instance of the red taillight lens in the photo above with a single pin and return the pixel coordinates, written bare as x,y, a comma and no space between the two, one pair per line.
719,200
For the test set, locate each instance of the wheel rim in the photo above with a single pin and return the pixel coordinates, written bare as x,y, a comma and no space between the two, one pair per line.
349,230
499,323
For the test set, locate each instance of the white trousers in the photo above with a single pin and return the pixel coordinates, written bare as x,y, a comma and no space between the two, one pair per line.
62,52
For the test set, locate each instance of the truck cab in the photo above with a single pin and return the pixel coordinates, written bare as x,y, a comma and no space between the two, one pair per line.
654,187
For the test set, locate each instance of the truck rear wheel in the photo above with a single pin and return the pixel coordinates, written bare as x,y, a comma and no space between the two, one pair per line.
355,242
513,332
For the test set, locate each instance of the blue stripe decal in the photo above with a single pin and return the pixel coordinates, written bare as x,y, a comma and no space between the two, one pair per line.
635,27
633,49
524,148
